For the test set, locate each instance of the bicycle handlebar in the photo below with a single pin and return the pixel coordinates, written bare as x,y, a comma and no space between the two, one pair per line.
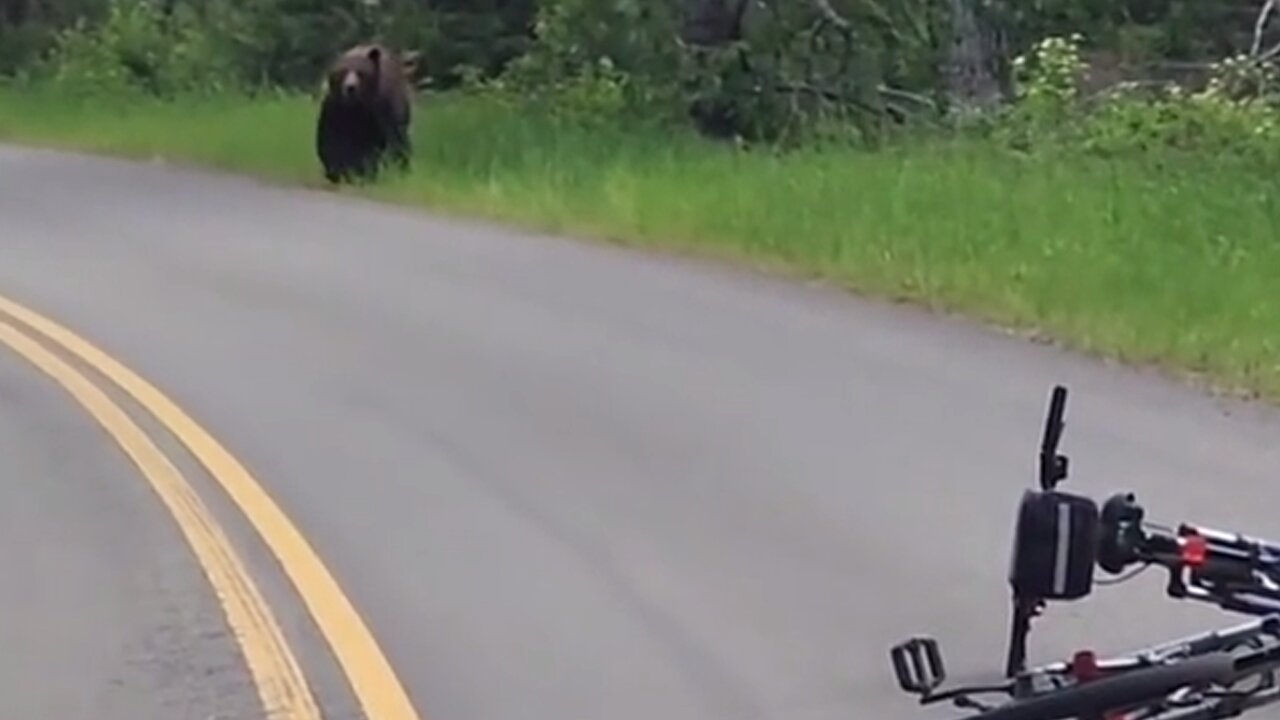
1235,571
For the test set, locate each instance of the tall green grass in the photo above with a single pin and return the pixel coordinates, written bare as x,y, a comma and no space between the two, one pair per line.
1166,259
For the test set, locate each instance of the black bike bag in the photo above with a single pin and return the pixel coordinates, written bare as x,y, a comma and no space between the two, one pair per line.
1054,547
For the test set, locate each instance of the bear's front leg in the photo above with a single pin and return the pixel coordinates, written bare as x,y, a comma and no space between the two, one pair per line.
326,142
335,143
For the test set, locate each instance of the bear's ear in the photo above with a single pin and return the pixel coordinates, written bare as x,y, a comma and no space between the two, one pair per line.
375,54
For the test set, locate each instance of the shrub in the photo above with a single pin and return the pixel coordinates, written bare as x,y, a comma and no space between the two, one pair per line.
1235,113
138,48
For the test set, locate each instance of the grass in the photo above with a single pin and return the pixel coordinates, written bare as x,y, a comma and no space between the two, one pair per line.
1154,260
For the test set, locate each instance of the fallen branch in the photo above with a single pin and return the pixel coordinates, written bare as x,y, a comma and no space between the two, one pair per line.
907,95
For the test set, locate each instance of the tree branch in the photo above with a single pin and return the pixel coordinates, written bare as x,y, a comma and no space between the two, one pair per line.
1270,54
1260,25
829,13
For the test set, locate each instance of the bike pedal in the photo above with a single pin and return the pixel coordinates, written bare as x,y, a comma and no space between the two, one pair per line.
918,665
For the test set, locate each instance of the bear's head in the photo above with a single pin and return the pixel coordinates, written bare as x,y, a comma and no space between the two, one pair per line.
354,77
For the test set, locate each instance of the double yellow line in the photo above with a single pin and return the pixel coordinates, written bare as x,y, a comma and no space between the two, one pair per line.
282,686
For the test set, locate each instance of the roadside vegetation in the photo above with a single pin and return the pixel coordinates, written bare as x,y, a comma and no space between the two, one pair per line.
1101,173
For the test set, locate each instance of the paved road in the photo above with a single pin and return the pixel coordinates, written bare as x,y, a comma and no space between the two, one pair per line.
558,480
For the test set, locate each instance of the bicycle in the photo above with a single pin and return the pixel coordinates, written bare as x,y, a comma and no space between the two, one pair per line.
1059,538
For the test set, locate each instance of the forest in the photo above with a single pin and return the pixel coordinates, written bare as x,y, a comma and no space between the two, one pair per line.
756,70
1098,172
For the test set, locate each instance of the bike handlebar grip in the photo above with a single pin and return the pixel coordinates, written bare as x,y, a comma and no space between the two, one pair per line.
1125,689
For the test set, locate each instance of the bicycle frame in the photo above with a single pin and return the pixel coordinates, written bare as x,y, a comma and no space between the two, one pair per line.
1254,645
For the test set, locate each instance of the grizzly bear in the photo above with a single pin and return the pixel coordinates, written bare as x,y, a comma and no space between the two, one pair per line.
365,112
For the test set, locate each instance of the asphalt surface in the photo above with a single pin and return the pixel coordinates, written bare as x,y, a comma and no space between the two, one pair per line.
559,480
102,612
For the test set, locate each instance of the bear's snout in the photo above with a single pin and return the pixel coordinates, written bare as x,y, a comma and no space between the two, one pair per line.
350,85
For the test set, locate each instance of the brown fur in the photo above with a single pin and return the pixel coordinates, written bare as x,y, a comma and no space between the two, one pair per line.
366,111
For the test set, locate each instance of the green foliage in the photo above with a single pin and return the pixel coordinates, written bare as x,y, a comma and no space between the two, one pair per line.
138,48
1235,113
27,28
793,74
790,73
289,42
1170,29
1046,91
791,70
19,44
267,43
1221,119
461,38
600,61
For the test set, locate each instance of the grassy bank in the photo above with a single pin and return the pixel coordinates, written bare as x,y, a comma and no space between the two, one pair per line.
1162,260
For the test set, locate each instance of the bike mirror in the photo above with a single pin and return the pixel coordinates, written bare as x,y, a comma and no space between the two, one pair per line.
918,665
1054,546
1053,466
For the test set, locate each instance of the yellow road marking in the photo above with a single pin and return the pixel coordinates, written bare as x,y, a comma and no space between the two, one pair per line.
281,686
372,679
